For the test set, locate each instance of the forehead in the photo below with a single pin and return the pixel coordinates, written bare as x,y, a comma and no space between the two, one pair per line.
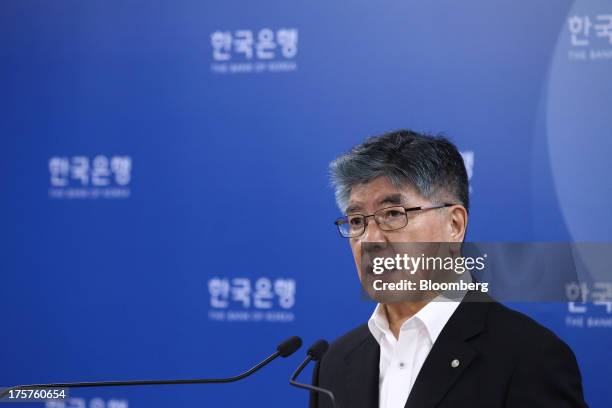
379,191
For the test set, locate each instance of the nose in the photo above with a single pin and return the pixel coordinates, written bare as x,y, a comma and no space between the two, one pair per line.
372,232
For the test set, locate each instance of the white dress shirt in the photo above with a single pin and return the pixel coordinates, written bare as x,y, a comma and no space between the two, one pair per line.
401,359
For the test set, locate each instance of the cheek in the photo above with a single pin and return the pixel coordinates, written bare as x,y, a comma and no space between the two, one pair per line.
356,249
425,229
439,230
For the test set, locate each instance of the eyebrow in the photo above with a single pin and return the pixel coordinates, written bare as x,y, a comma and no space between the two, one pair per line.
395,199
352,208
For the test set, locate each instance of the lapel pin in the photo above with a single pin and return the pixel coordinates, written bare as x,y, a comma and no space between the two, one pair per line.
455,363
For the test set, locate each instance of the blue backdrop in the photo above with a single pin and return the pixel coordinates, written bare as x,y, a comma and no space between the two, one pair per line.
166,210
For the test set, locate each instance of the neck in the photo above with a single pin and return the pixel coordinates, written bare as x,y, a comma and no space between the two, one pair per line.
398,313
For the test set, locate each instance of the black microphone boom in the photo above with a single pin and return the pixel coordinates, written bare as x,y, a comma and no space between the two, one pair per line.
284,349
315,352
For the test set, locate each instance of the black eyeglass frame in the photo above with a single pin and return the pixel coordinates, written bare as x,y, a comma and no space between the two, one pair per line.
338,221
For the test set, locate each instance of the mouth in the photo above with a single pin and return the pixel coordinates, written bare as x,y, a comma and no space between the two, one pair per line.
388,273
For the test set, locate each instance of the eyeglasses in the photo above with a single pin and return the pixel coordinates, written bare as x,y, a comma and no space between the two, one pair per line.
387,219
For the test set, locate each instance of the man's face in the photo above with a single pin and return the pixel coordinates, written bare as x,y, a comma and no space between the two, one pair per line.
423,226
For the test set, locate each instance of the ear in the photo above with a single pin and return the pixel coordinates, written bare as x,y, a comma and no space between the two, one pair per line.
458,219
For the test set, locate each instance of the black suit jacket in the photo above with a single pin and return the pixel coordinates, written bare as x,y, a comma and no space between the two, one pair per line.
505,359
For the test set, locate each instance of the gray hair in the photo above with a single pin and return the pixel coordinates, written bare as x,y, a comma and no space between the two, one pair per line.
431,164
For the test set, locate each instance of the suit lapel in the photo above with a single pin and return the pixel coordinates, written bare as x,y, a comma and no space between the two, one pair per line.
362,373
439,373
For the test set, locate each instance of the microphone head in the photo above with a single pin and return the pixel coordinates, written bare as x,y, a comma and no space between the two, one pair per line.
317,350
289,346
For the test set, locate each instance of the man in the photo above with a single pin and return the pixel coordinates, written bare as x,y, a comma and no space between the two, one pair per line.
421,353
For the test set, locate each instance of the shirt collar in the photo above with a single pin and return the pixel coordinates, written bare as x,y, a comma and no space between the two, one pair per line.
433,316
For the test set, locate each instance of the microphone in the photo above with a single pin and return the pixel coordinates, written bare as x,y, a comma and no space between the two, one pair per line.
315,352
284,349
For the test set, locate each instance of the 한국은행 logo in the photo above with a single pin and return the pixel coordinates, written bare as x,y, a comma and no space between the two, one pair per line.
82,177
590,37
249,51
242,299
